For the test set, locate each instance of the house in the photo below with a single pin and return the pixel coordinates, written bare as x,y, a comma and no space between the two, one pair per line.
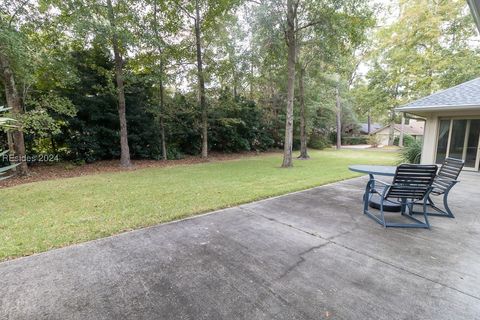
373,127
475,9
452,127
414,128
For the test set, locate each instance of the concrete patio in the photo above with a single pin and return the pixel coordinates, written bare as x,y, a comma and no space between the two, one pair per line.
307,255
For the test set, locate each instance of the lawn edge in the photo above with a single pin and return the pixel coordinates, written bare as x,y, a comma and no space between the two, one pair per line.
188,217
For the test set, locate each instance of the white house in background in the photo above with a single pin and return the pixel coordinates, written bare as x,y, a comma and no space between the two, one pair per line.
414,128
452,127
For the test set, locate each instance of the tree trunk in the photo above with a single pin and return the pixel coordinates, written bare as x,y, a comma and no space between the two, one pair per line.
124,149
291,43
201,82
338,117
161,118
235,85
391,132
161,87
11,146
13,101
369,123
303,121
402,130
251,75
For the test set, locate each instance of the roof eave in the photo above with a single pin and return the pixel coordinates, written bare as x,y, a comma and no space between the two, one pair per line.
436,108
475,9
398,130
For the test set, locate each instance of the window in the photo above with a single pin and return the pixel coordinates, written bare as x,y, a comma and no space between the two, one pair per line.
459,138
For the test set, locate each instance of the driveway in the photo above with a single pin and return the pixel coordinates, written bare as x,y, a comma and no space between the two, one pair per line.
307,255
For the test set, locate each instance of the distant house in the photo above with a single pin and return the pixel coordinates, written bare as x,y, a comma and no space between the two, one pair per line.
373,127
414,128
452,124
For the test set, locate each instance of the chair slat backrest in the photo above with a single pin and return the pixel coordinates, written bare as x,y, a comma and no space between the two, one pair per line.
449,172
412,181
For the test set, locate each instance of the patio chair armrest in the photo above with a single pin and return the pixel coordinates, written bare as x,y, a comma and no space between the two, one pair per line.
382,182
381,191
446,180
443,185
427,195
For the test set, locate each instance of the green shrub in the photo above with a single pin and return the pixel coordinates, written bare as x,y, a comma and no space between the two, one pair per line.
373,140
350,141
412,153
407,140
318,142
174,153
237,124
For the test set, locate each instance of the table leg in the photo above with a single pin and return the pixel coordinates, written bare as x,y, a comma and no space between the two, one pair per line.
366,195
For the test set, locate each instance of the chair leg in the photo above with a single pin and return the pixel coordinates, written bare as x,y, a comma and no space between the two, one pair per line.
439,212
417,223
445,204
366,211
382,214
430,201
407,206
425,214
365,202
366,197
403,206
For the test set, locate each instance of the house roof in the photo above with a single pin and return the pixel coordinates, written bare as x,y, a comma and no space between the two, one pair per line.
415,129
475,8
373,127
463,96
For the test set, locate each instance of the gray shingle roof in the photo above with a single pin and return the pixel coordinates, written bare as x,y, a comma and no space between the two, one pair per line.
475,8
414,129
466,94
373,127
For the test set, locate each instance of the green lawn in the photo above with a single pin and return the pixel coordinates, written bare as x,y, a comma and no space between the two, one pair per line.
40,216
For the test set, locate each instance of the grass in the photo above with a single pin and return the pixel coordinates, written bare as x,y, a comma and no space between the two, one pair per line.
40,216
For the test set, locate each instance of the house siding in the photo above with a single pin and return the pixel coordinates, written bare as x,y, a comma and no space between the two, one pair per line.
430,142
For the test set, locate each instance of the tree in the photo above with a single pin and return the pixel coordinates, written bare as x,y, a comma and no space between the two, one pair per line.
204,14
125,150
86,18
153,31
292,7
338,115
330,43
430,46
325,18
303,118
12,50
201,80
13,102
161,90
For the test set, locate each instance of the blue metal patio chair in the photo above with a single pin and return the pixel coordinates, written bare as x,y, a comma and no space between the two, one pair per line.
445,180
412,183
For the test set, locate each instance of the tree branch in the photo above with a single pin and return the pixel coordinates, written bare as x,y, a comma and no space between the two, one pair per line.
17,10
185,11
310,24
